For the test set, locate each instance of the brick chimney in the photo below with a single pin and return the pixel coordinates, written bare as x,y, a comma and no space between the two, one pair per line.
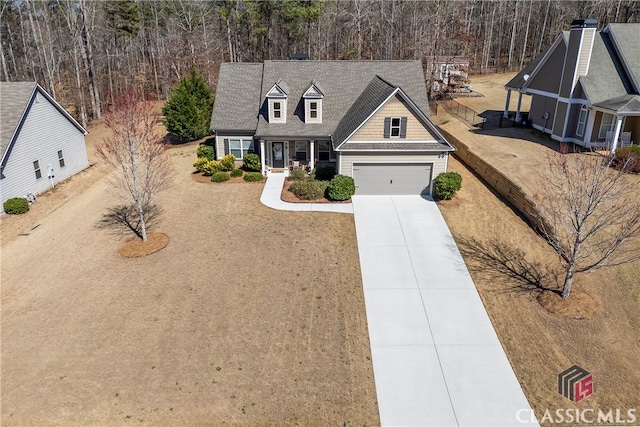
578,55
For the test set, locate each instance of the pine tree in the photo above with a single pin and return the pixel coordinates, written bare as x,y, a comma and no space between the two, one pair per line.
188,110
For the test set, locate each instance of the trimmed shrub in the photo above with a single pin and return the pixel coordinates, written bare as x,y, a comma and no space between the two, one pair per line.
308,189
298,175
341,187
207,152
253,177
220,177
325,174
200,164
16,206
236,173
211,168
251,162
446,185
228,162
628,157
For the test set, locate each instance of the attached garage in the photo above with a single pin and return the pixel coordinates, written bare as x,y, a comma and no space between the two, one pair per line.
392,178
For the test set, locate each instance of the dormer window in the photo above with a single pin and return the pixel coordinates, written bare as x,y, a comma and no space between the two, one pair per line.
277,104
313,104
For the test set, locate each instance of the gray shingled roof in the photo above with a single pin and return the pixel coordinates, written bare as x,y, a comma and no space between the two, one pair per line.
238,97
14,97
394,146
369,100
341,82
627,37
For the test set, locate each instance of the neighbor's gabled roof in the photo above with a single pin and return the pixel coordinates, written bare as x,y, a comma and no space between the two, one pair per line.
613,79
16,99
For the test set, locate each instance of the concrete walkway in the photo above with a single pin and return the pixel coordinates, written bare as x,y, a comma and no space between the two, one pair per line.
437,360
271,198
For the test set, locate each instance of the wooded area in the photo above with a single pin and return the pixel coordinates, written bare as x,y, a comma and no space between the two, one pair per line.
86,53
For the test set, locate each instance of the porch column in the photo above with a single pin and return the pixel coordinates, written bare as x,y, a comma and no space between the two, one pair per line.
311,155
616,133
506,107
518,109
262,165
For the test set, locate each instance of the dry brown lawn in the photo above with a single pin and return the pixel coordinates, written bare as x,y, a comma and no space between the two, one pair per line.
540,344
249,316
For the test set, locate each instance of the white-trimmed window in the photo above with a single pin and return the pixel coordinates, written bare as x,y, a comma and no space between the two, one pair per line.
313,110
325,153
301,150
61,158
277,110
606,125
36,168
582,120
239,147
395,127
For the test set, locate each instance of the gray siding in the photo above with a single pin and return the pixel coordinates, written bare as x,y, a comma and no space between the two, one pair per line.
548,77
539,106
558,123
44,133
572,123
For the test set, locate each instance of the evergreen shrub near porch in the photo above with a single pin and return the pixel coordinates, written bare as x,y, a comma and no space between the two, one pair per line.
341,187
308,189
251,162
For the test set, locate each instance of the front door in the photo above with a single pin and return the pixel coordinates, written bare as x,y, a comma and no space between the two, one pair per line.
278,155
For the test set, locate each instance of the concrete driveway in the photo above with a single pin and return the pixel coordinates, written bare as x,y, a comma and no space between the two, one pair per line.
436,357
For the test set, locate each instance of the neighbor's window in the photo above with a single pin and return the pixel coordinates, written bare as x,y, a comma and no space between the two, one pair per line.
582,120
277,110
313,110
606,125
36,167
324,150
61,158
395,127
240,147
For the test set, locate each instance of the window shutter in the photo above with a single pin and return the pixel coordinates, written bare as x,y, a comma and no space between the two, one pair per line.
226,146
403,127
387,127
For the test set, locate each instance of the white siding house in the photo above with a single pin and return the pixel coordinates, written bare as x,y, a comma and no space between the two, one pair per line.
37,137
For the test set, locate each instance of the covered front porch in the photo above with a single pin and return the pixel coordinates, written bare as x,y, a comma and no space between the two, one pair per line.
610,130
280,154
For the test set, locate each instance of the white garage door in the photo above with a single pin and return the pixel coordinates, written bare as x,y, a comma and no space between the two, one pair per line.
392,178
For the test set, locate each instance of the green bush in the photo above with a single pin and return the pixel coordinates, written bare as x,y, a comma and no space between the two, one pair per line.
341,187
325,173
211,168
446,185
207,152
251,162
298,175
228,162
628,157
308,189
200,164
253,177
220,177
236,173
16,206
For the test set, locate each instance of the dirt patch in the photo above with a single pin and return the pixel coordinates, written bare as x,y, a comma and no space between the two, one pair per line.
136,248
579,305
251,316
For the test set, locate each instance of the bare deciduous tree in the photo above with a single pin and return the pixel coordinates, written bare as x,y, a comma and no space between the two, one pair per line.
589,213
137,152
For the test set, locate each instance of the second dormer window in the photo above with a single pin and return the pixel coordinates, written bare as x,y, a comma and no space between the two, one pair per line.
395,127
313,110
277,110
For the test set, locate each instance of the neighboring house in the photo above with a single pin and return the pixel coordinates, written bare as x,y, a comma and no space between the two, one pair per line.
585,87
41,142
364,118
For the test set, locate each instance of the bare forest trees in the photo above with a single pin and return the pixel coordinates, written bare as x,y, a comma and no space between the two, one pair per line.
138,154
87,53
590,214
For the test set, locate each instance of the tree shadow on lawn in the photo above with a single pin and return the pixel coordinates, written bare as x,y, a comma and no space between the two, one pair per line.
124,219
499,261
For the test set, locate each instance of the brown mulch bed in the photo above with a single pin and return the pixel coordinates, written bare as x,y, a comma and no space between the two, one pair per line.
288,196
136,248
579,305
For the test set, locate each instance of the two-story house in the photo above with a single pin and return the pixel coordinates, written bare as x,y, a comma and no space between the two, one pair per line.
367,119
